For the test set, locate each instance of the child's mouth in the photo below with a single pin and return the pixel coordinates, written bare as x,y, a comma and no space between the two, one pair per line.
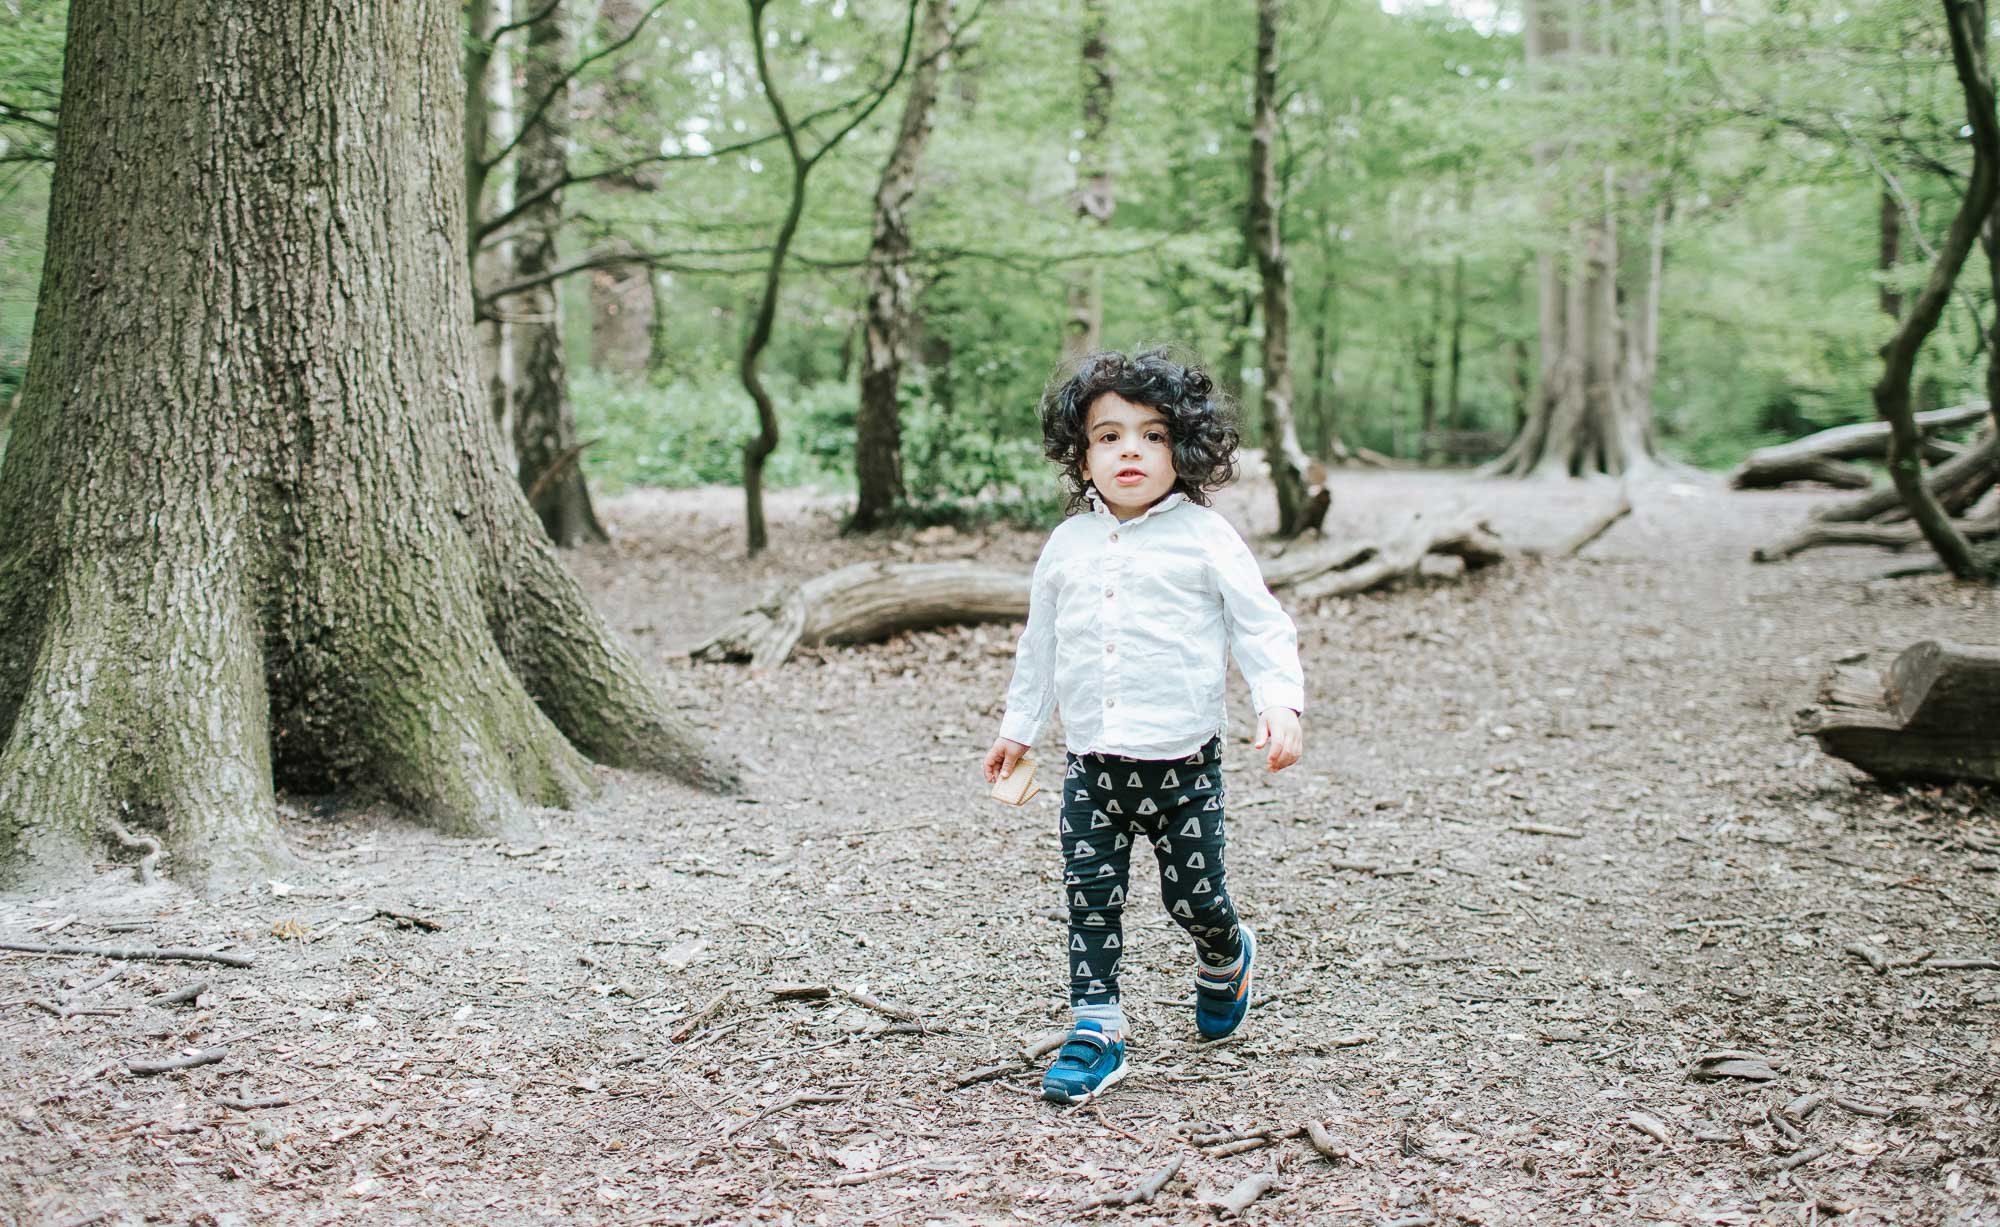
1129,477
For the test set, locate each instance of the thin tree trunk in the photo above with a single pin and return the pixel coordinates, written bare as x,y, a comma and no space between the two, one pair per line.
548,455
289,552
1889,253
1455,384
1967,22
758,448
1423,369
1095,199
878,447
1302,499
489,124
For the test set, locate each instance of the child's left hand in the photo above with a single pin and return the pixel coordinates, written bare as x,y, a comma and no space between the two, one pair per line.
1280,728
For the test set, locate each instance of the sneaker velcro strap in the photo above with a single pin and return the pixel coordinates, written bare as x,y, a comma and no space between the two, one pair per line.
1083,1046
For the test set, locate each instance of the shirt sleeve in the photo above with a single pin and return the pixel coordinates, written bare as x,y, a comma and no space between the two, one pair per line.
1261,635
1031,697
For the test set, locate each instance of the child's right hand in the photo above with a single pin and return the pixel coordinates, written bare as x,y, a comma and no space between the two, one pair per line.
1001,758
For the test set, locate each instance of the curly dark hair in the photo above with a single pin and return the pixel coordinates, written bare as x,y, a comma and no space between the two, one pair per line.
1201,421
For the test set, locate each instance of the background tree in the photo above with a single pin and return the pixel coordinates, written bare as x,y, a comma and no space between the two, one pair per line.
760,446
886,316
546,448
1096,195
351,595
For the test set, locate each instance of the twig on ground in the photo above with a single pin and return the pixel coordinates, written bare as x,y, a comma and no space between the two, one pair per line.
847,1179
1238,1199
1800,1159
1859,1108
795,1100
135,952
1141,1194
237,1103
1965,964
406,920
184,995
166,1065
1869,955
1652,1126
1323,1142
1543,828
693,1022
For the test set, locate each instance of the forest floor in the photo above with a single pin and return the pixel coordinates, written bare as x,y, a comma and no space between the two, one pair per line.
1553,843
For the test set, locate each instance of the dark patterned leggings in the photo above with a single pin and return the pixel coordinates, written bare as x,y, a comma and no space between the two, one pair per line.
1109,800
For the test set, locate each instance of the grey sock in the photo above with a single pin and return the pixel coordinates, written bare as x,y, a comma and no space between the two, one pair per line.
1110,1017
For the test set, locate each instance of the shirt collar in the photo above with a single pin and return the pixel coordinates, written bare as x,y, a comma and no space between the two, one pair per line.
1096,501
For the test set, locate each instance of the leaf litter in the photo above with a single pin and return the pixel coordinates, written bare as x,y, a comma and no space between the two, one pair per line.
1609,965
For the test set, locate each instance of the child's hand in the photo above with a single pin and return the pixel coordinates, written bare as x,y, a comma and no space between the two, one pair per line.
1001,758
1280,728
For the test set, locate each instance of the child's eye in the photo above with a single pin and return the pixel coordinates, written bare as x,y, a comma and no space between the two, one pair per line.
1154,436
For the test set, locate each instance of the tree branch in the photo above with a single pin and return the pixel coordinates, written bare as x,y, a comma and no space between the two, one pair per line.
16,113
532,19
561,85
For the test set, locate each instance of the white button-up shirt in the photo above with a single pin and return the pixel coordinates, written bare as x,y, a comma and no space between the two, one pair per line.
1128,624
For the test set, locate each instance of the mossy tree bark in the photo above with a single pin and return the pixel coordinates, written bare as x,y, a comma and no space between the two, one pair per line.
259,529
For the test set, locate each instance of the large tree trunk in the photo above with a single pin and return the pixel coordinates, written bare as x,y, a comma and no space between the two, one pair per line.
547,453
258,527
1302,496
878,435
1083,327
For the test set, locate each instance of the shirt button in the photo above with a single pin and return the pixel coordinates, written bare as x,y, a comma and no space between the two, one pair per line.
1111,702
1111,647
1114,538
1107,594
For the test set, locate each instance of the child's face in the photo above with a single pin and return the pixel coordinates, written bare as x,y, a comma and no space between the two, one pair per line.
1131,457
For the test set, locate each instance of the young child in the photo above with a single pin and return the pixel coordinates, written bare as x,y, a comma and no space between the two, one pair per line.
1136,598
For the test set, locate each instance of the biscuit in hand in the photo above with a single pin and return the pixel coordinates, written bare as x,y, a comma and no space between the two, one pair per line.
1019,787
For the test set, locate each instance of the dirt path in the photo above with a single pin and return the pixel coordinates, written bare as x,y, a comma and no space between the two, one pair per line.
1496,1026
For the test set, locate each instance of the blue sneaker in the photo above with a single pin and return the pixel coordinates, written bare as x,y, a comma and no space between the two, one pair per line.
1087,1065
1220,1005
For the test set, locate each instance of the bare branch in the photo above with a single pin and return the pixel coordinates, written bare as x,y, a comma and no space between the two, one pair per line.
532,19
561,84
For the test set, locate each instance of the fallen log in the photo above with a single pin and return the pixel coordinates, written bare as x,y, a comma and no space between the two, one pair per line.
1818,457
1894,536
864,603
1931,716
1957,483
872,600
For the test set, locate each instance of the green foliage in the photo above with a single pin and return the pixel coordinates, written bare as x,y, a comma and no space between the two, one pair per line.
1415,143
689,433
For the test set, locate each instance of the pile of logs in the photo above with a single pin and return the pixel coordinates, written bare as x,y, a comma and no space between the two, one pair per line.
1824,457
1933,715
1879,517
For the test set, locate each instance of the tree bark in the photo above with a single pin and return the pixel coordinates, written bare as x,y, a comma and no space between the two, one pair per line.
1593,411
489,123
1302,496
1095,198
1967,22
1424,345
547,454
1928,717
891,290
260,532
624,308
1888,254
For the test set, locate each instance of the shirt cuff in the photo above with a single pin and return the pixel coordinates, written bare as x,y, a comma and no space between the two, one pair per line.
1021,727
1280,695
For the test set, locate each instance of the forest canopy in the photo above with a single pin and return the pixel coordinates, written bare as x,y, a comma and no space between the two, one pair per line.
1800,164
